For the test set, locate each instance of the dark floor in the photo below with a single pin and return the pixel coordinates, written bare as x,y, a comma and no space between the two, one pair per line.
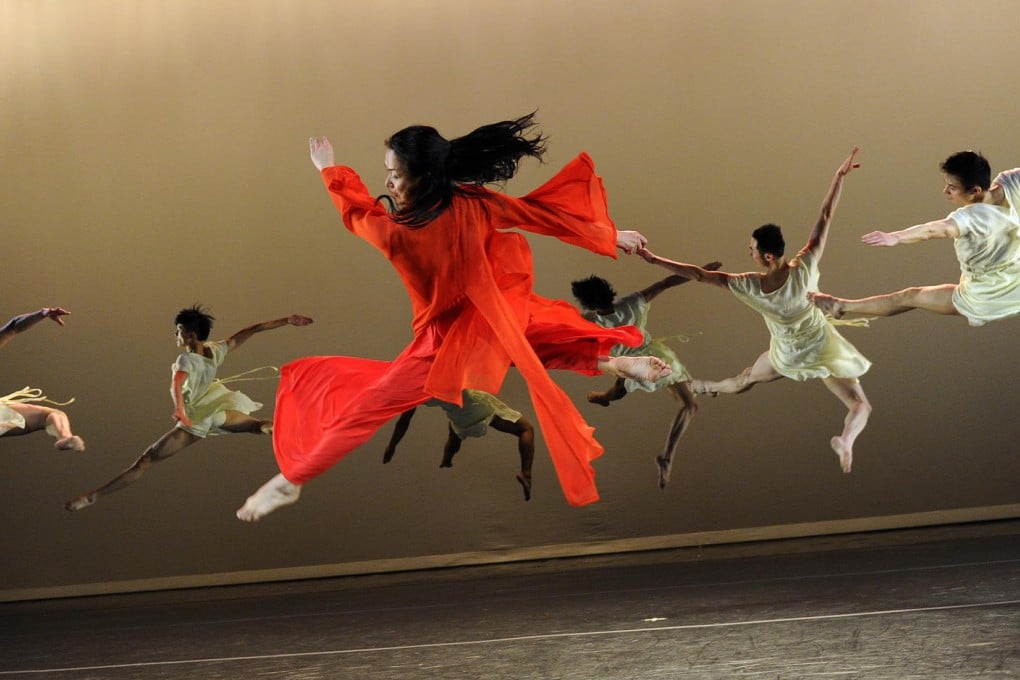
923,603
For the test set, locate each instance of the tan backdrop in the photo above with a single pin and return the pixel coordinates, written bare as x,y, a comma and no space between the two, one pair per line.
154,155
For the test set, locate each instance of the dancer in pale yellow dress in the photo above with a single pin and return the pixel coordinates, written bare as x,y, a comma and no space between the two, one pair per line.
804,344
479,412
203,406
985,229
20,412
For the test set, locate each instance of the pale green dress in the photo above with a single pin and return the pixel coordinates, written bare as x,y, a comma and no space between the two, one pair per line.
206,399
988,249
632,310
804,343
473,418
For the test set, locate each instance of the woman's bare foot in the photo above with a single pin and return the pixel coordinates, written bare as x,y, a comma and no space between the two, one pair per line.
645,369
600,398
525,481
845,453
79,503
831,306
663,465
274,494
72,443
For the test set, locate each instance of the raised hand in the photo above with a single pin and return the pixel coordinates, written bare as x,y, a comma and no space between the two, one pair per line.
321,152
298,320
849,164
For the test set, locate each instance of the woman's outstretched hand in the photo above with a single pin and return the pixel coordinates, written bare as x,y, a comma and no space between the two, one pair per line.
321,152
630,242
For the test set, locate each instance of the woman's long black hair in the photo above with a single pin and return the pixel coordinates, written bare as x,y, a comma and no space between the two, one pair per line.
442,168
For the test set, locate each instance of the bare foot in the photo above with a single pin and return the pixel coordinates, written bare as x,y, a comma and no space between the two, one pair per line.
832,306
701,387
845,453
79,503
525,482
646,369
600,398
274,494
664,465
266,428
72,443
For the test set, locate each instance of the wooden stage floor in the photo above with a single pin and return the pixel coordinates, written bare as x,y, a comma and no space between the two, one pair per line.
932,604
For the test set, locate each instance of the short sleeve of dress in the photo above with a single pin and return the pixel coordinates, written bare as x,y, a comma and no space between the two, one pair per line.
1010,183
740,284
962,218
182,363
219,351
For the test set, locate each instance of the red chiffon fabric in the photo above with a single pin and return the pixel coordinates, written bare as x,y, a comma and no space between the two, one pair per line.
475,314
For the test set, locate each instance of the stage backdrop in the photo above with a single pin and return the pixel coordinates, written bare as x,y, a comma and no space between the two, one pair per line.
154,155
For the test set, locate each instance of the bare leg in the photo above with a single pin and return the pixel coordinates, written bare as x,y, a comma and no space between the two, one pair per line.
851,393
170,443
635,368
525,433
399,430
238,422
688,407
617,391
938,299
53,421
760,371
451,447
275,493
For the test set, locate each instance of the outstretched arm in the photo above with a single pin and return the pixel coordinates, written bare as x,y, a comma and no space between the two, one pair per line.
653,290
688,271
944,228
816,241
241,336
23,322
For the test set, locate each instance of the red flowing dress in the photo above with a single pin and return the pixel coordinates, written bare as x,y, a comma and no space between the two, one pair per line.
475,315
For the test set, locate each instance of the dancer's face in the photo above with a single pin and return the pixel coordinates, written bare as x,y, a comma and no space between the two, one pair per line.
397,182
179,335
756,255
957,193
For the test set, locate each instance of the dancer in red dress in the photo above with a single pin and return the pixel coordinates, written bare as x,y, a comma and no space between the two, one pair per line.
470,283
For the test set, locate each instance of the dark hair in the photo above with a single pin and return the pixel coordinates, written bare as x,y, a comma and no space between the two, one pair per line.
970,167
442,168
593,293
769,238
195,320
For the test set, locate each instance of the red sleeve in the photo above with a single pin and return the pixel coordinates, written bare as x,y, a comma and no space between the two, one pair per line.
362,214
571,206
